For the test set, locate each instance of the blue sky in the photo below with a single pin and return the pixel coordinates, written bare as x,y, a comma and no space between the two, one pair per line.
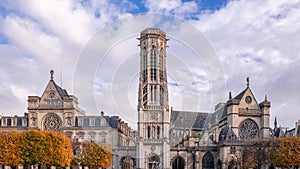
256,39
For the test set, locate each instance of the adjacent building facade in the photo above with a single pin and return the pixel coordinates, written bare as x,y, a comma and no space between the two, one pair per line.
165,138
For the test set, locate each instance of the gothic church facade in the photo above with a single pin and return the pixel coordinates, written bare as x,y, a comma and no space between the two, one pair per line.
165,138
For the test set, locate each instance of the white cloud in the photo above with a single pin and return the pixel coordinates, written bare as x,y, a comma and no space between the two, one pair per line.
44,35
255,38
19,92
29,37
176,7
259,39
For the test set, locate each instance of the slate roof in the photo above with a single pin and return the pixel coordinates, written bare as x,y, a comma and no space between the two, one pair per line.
219,114
187,119
113,122
227,134
62,92
86,121
240,96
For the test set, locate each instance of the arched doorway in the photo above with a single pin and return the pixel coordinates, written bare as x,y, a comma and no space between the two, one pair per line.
127,163
154,162
178,163
208,161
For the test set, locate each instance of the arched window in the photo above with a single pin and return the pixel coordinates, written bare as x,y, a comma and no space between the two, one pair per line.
154,162
149,132
145,65
248,130
127,163
208,161
178,163
153,64
158,132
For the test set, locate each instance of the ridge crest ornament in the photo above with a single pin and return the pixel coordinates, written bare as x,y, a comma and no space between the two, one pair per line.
52,122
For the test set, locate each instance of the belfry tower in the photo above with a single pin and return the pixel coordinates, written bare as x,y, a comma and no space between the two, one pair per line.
153,104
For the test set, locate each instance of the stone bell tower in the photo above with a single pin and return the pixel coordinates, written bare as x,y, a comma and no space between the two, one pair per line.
153,104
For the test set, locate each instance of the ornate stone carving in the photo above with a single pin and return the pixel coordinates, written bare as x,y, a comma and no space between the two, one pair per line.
52,122
248,130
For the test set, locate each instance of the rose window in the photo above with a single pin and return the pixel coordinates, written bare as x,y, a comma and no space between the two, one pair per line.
52,122
248,130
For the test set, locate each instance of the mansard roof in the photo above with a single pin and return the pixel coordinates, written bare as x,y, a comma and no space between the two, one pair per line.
97,121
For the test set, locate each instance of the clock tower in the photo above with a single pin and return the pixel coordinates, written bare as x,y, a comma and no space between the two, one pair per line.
153,104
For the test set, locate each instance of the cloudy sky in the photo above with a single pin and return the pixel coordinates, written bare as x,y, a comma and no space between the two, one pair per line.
92,47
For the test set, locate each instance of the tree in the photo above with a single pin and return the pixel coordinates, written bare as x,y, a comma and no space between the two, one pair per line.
95,156
285,152
256,153
10,148
46,148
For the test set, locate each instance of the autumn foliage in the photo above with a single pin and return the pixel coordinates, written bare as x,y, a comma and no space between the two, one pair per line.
10,149
46,148
95,155
285,152
43,148
279,152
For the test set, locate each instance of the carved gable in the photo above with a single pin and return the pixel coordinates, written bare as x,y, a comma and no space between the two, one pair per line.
248,100
53,94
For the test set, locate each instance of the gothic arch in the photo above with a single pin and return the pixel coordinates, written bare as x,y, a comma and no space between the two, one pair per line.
154,162
178,162
248,129
127,163
208,161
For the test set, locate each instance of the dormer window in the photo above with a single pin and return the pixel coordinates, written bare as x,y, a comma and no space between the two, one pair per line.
103,122
92,122
80,121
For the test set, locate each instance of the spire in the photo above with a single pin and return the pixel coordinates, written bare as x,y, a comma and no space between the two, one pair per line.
51,74
247,81
275,123
266,98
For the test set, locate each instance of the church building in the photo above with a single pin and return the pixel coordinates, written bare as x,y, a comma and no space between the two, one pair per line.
165,138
